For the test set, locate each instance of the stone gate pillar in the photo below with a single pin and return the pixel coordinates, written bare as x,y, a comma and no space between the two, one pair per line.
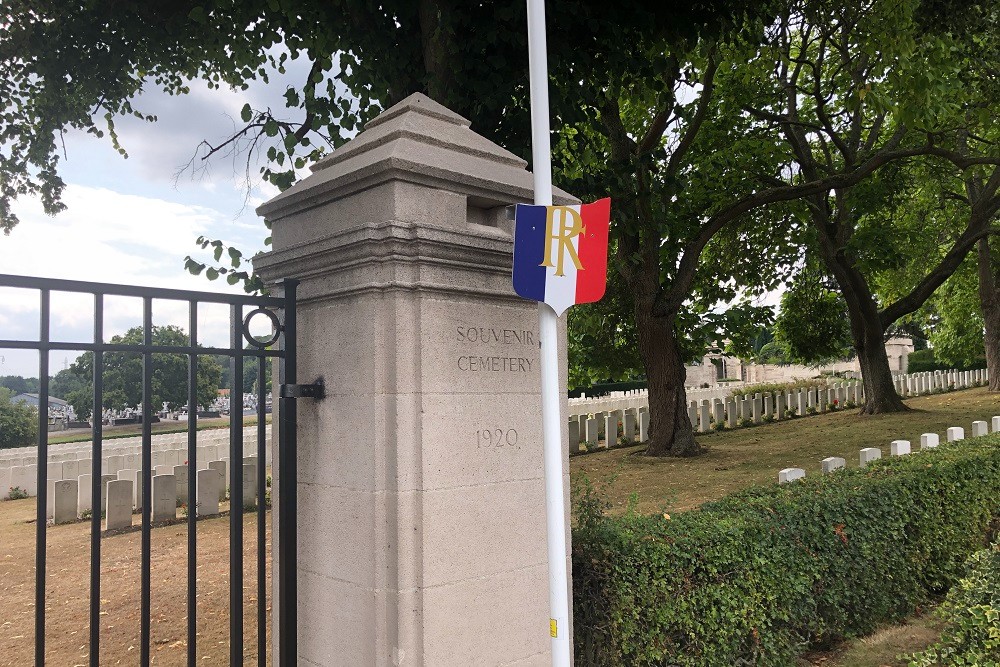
421,495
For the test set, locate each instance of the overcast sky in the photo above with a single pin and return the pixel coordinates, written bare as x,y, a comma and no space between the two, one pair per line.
132,221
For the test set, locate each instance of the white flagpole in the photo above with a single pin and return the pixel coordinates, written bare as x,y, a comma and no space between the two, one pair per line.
548,327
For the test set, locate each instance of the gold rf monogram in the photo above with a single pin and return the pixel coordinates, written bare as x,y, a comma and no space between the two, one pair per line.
563,236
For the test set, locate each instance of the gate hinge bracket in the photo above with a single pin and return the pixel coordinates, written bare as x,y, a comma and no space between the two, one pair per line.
315,390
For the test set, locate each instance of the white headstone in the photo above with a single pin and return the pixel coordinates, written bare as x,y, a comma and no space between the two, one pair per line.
249,485
105,479
643,425
790,475
929,440
86,467
979,429
220,468
65,496
70,469
164,497
869,454
832,463
592,435
629,425
181,475
995,423
955,433
135,477
84,494
208,492
119,506
113,464
899,447
611,427
24,478
703,422
574,438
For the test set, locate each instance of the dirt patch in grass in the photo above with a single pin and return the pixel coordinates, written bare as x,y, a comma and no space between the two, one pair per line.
68,592
881,648
744,457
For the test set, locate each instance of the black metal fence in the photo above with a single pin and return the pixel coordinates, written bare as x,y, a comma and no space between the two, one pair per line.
281,312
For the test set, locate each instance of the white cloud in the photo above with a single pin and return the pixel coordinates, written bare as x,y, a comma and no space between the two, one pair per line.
110,237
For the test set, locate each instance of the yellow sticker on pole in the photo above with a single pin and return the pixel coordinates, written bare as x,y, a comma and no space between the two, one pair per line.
553,628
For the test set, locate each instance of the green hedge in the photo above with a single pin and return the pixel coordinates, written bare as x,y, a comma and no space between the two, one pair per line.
922,361
971,637
758,576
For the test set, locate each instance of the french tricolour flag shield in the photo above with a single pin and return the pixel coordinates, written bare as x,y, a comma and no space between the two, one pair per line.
561,253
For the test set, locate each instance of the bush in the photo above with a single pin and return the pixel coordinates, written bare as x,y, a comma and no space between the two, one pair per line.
758,576
972,615
924,360
18,423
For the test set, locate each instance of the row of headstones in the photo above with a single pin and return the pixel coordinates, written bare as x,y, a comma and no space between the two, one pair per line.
24,478
122,457
121,494
209,437
83,450
928,382
896,448
906,385
584,428
73,468
764,407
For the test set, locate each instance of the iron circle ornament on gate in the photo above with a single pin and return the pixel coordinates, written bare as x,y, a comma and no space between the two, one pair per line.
276,328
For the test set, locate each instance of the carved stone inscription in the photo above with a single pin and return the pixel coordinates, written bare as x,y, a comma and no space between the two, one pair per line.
485,359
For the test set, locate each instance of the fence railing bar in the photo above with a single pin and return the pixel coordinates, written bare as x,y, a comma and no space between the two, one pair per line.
236,490
147,470
130,347
287,490
42,480
59,285
261,517
96,454
192,470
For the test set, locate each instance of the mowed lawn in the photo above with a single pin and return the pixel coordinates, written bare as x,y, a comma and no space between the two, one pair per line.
744,457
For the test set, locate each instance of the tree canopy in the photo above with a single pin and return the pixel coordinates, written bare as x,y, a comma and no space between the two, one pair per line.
123,374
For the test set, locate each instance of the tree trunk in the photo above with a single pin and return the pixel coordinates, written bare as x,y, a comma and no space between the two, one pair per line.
880,392
869,344
989,302
867,330
670,430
